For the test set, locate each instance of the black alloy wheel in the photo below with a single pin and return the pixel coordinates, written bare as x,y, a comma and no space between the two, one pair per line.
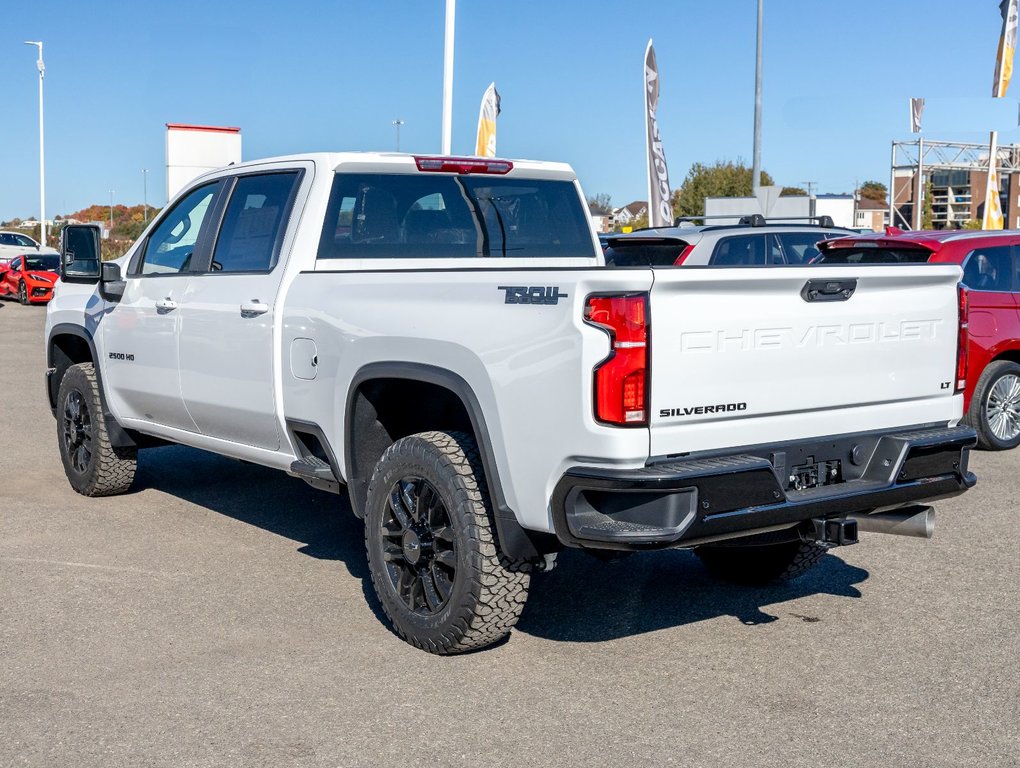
23,293
419,546
77,431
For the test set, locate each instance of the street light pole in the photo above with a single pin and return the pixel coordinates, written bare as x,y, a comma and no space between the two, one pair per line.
451,12
145,195
42,155
756,164
397,123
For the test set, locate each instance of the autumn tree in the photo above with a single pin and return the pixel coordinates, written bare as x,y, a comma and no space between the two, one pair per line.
874,190
793,192
722,179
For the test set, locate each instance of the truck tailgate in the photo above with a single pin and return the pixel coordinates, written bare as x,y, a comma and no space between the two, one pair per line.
749,356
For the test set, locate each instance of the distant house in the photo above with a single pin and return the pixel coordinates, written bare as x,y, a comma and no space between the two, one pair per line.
602,222
871,214
628,213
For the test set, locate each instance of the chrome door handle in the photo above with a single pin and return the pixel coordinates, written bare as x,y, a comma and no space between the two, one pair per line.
166,305
253,308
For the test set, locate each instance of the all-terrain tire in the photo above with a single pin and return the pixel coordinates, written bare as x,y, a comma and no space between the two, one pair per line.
434,483
23,293
93,466
755,565
997,390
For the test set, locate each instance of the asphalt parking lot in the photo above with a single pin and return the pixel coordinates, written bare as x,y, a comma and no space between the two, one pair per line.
219,614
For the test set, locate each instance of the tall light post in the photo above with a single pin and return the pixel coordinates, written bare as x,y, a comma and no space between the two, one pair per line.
396,124
451,12
145,195
42,155
756,164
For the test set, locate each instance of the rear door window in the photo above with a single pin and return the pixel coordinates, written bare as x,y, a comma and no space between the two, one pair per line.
740,251
989,269
253,224
388,216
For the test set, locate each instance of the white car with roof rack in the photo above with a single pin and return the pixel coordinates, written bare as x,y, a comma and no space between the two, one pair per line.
439,338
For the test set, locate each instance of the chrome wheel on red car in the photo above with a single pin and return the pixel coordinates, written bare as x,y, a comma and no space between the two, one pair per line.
23,293
994,409
1002,408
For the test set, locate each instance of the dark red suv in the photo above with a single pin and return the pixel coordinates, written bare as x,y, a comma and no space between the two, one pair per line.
991,280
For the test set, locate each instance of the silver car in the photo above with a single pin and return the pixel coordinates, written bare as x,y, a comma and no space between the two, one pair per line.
754,242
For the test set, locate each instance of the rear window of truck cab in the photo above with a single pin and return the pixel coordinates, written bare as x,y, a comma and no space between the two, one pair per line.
400,216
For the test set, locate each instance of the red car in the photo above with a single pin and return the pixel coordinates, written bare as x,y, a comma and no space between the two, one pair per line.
991,288
30,277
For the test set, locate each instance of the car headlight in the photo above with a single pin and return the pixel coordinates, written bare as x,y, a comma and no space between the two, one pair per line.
41,278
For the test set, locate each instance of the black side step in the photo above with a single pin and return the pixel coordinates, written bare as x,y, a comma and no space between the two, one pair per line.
313,468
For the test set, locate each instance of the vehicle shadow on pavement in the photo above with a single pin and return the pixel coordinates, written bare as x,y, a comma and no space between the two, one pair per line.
259,496
583,600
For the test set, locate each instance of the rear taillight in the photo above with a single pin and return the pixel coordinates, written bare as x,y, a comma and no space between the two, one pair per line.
621,380
962,339
463,165
683,255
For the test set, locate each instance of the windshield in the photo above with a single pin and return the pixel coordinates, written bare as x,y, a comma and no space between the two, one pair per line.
372,216
42,263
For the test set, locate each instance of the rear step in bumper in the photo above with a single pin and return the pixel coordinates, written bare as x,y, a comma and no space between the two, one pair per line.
689,502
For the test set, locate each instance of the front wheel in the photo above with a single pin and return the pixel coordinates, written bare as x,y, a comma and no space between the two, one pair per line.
93,466
23,293
995,407
749,564
432,550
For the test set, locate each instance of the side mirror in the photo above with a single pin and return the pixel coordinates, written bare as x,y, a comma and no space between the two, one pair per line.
80,254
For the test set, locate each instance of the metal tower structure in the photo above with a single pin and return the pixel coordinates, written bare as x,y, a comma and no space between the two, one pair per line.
914,159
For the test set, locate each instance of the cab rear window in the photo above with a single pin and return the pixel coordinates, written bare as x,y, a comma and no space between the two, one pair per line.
400,216
882,255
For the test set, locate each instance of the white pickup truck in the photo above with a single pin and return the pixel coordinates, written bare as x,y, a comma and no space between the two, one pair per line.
440,338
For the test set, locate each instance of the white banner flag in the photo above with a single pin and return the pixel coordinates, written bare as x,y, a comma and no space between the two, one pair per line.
660,206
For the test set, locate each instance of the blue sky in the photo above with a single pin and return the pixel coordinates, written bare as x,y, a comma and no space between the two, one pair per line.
306,76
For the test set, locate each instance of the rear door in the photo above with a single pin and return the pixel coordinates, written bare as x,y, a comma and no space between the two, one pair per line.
747,356
989,275
229,313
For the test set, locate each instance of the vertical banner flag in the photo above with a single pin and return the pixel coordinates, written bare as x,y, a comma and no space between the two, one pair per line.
660,207
916,110
486,144
993,208
1007,46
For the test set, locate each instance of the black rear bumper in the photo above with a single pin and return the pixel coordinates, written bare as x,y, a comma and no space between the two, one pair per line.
677,503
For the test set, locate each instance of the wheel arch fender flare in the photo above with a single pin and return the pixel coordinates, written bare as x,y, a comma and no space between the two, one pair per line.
514,540
119,437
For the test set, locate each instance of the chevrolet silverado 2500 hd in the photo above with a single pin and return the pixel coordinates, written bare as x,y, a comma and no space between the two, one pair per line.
441,339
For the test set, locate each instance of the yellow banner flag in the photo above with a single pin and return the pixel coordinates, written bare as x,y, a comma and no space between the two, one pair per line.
486,144
993,207
1007,47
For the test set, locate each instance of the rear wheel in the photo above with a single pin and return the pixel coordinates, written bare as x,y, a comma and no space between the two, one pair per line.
23,293
995,407
432,550
747,564
93,466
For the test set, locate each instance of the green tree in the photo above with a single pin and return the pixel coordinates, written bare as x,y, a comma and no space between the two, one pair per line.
926,208
600,204
723,179
793,192
874,190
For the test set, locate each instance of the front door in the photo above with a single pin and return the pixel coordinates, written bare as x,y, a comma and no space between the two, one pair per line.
141,332
226,353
